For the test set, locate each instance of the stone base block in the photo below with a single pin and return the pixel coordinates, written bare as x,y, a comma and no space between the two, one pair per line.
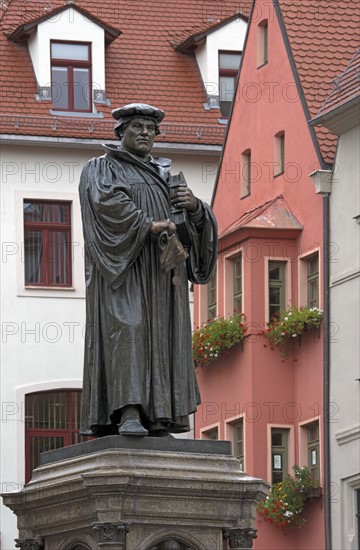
127,493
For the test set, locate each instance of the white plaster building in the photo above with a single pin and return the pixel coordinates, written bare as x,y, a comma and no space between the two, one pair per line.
341,114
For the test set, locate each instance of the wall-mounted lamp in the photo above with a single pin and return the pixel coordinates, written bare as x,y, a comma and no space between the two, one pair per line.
322,180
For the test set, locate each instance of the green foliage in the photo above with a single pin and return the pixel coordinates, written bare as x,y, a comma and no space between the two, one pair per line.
291,322
213,338
285,504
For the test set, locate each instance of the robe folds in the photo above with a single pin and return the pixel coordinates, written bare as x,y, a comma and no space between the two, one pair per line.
138,348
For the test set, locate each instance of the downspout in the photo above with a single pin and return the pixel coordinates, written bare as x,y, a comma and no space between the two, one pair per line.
323,180
326,373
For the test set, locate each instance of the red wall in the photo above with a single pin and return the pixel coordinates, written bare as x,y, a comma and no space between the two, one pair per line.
257,381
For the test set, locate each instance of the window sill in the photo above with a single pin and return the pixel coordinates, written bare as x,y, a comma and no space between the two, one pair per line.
76,114
279,174
245,196
38,287
311,494
262,65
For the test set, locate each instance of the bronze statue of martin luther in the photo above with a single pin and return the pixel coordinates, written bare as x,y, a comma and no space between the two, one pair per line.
139,376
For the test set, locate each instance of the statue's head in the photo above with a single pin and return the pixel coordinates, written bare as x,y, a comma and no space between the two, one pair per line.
137,125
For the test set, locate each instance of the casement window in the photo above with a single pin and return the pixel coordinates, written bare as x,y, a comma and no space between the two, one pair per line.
213,434
313,281
229,63
313,449
276,288
262,44
279,454
47,243
211,297
71,87
237,283
238,443
279,154
245,173
52,421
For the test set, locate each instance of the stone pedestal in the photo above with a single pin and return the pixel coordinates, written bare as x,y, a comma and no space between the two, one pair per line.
128,493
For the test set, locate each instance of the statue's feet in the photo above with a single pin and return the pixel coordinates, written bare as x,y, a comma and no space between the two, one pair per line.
132,426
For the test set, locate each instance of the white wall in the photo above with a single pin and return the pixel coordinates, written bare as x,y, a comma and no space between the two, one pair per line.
230,37
345,346
73,26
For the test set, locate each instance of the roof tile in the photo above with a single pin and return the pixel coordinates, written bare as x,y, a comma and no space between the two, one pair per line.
323,36
141,65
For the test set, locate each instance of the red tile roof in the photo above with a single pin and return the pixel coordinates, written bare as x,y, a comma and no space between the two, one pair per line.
346,88
273,214
323,35
141,66
188,43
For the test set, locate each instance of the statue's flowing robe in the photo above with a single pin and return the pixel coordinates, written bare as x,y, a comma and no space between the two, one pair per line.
138,328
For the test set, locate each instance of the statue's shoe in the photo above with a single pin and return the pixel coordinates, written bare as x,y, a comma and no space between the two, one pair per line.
132,426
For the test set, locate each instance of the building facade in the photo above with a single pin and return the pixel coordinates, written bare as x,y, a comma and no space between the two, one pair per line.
341,114
268,401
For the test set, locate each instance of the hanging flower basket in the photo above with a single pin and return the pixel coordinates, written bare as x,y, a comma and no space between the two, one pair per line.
290,323
213,339
284,506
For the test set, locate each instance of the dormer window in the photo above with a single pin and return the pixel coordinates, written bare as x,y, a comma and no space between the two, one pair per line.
69,72
229,63
71,76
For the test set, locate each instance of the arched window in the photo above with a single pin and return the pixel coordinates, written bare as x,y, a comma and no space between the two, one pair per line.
52,421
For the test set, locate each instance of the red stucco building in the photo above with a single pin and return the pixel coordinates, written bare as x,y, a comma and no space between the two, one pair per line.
272,253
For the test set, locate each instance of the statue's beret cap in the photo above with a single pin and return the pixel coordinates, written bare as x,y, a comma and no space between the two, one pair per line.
138,109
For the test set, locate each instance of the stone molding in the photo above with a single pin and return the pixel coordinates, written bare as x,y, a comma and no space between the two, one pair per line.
111,533
168,499
240,537
172,544
30,544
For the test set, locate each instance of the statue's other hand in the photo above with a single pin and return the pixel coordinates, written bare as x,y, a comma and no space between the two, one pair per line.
163,225
185,198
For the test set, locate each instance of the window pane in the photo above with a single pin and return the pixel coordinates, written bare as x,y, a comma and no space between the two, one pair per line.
82,89
274,295
70,51
276,439
47,411
227,88
34,257
46,212
211,434
59,87
57,258
42,444
229,61
274,273
313,266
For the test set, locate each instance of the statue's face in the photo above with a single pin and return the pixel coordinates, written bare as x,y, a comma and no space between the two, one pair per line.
139,136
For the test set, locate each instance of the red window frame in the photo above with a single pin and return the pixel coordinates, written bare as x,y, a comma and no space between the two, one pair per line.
72,64
70,433
46,228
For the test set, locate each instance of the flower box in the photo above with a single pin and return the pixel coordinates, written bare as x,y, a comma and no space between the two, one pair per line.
214,339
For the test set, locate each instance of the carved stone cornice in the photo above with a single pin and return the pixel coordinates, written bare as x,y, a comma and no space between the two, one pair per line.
111,533
30,544
240,537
